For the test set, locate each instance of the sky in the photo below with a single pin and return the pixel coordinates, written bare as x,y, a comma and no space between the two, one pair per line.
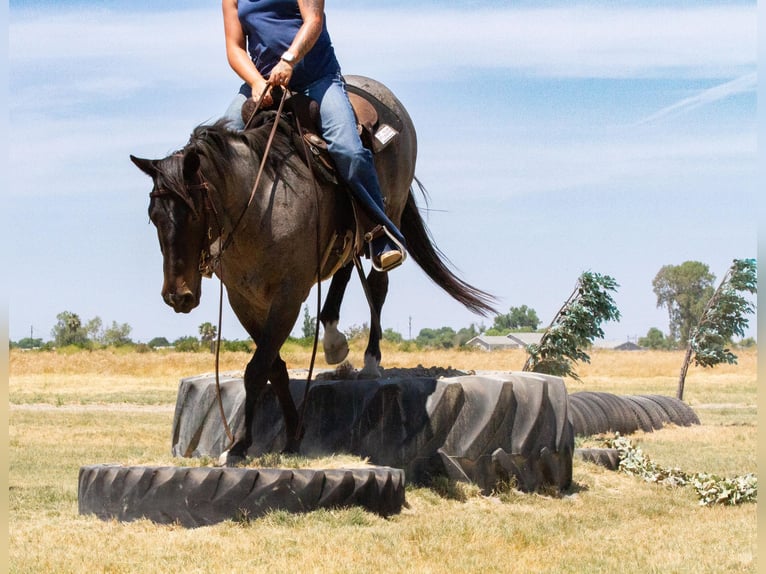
553,138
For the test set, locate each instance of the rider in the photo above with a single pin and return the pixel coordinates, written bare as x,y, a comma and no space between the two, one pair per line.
286,43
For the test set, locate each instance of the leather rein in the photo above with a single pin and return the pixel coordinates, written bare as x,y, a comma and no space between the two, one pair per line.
210,262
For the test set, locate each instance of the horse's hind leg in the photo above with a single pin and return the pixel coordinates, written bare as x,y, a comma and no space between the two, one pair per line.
378,284
334,342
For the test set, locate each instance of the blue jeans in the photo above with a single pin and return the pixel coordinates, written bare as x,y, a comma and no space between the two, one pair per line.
353,161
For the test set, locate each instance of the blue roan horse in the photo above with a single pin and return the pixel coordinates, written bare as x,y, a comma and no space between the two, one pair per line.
274,247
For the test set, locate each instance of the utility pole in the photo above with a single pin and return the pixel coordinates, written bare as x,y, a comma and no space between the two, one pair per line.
410,336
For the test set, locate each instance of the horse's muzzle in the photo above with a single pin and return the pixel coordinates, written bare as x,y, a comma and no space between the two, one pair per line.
182,302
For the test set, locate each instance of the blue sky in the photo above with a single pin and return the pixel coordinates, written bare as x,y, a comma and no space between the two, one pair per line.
554,138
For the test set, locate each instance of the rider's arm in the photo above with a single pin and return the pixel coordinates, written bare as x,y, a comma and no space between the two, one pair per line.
236,49
312,13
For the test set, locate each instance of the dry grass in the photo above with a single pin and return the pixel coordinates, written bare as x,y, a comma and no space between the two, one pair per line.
117,407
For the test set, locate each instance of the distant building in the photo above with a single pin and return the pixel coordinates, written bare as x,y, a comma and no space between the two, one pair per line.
500,342
523,340
617,345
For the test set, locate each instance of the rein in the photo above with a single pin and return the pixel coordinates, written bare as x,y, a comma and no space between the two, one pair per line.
210,206
261,167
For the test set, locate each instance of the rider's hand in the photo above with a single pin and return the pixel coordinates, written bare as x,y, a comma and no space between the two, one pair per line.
258,88
281,74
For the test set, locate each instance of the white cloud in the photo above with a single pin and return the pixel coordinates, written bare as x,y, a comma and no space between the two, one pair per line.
565,42
742,85
187,46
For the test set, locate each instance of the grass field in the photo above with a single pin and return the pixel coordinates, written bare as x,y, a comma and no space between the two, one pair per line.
67,411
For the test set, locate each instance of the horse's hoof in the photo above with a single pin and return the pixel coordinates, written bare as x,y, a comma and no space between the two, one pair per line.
233,460
371,368
337,355
335,344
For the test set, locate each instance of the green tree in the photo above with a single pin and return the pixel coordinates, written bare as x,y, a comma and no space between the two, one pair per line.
159,342
655,339
392,336
465,334
69,330
186,344
683,290
207,334
117,335
28,343
237,346
442,338
309,324
723,316
95,329
517,319
574,327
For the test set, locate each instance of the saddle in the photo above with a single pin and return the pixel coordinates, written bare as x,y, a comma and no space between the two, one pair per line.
377,126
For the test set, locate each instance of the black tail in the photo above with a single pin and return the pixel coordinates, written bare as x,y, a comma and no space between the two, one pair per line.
429,257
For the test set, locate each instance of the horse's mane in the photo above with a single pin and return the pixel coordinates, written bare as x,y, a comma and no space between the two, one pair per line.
224,148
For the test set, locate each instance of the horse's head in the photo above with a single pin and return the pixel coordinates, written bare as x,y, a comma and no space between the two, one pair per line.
176,209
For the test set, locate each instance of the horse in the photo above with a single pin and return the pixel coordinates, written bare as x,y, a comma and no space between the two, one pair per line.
270,245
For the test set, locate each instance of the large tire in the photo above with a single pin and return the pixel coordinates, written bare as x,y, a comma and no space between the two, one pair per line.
618,416
679,412
656,416
485,428
622,417
593,415
606,457
201,496
644,420
598,412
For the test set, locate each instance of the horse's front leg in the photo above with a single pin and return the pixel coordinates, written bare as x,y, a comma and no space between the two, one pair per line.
266,364
256,377
378,283
280,380
334,342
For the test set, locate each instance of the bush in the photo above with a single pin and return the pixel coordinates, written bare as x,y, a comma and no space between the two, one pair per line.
237,346
711,489
187,345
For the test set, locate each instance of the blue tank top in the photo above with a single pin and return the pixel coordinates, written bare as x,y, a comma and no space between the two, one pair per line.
270,27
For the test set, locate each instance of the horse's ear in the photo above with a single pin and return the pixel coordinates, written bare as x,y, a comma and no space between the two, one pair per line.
145,165
191,164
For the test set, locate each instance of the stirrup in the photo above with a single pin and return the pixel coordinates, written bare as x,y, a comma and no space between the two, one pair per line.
374,234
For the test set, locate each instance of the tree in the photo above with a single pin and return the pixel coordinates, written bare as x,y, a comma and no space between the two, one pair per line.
722,318
159,342
208,332
94,329
237,346
309,324
465,334
443,337
392,336
117,335
683,290
28,343
186,344
69,330
574,327
655,339
517,319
